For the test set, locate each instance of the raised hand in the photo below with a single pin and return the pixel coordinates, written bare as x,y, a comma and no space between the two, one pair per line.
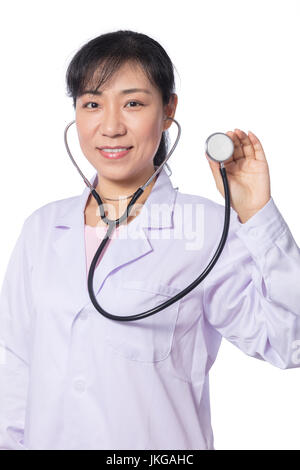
247,173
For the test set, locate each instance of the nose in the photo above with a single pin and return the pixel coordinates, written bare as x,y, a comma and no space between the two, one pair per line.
111,124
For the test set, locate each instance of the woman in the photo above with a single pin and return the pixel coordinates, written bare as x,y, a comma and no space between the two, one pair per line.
73,379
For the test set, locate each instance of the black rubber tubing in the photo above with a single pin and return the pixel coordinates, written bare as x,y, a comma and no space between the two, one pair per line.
115,223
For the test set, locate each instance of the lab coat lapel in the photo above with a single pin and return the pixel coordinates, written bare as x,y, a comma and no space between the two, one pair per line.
131,243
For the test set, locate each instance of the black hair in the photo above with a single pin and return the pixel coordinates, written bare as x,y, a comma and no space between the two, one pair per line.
102,56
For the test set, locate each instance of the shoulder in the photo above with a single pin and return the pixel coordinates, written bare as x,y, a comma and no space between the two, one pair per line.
46,216
196,203
204,216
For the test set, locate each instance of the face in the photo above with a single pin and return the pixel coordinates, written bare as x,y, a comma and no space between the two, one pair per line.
117,119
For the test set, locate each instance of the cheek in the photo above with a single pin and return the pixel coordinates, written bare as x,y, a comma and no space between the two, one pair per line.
149,132
84,139
84,132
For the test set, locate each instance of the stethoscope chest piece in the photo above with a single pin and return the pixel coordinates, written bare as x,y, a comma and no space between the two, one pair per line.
219,147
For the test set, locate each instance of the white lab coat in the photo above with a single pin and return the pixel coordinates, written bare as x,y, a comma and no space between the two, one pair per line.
73,379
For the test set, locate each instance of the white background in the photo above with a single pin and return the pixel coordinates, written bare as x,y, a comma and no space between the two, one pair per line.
238,66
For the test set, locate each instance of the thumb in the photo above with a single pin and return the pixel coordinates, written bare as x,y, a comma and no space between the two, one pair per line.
215,168
213,165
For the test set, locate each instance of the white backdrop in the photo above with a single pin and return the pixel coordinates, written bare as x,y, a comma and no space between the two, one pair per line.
238,67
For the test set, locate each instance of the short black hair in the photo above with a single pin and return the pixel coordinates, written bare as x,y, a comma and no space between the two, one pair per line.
103,55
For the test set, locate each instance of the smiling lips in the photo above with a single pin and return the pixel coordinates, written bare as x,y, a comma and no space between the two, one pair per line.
114,153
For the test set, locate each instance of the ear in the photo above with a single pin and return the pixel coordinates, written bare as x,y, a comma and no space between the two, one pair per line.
169,110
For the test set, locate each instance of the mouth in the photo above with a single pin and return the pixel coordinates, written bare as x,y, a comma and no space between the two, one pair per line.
114,153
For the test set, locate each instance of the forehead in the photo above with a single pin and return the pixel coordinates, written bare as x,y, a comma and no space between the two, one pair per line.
128,76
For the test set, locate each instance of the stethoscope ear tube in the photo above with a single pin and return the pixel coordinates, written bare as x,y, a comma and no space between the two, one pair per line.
183,292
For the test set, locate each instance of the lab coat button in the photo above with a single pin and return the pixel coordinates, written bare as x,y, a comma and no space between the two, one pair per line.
79,385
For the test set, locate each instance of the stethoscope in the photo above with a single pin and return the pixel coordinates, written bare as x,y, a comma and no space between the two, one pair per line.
219,147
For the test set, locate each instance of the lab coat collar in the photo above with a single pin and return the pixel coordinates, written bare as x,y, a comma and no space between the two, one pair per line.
69,245
156,212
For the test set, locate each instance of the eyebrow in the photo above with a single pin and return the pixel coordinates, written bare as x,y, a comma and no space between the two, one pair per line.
123,92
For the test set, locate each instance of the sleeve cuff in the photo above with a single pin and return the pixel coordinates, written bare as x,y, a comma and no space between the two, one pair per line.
262,229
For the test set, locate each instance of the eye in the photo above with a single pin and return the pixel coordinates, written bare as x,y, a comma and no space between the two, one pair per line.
90,102
94,107
137,102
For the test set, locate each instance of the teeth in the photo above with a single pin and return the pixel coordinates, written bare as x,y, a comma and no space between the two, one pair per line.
121,149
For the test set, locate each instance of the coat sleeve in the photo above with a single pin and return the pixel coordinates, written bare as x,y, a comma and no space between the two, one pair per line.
15,316
252,295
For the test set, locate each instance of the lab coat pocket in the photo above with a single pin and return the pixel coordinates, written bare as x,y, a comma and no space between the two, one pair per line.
148,339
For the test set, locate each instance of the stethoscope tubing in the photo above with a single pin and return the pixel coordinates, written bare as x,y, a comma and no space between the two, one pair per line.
114,223
181,294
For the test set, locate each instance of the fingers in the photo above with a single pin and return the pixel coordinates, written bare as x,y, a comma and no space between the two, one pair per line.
246,146
243,147
258,149
238,151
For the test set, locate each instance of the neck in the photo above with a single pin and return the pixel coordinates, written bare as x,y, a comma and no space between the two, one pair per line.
111,189
108,189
